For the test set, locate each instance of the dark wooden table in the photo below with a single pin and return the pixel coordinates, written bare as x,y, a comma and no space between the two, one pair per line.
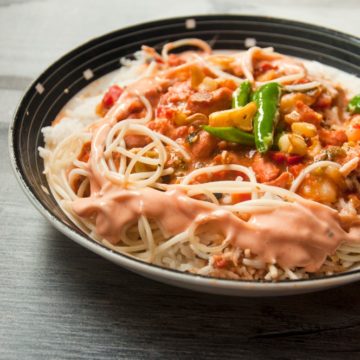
60,301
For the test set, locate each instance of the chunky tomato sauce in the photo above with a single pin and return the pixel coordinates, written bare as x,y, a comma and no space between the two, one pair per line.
251,127
183,105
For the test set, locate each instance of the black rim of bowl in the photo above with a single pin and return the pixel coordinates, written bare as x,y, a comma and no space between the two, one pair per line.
53,88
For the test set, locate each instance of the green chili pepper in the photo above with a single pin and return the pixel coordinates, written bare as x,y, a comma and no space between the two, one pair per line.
231,134
267,100
354,105
241,95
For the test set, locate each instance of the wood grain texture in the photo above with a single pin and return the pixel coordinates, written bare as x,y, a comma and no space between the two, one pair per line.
59,301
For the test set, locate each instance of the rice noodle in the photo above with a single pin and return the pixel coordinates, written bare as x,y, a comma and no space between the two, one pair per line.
348,167
320,164
302,87
282,79
184,42
132,168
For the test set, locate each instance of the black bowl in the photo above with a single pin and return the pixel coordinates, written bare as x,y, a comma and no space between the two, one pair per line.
75,70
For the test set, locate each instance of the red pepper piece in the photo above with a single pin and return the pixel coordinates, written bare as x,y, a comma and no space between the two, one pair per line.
279,157
282,158
324,101
111,96
294,159
237,198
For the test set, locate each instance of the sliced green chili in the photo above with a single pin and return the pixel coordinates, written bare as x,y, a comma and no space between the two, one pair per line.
354,105
241,96
267,100
230,134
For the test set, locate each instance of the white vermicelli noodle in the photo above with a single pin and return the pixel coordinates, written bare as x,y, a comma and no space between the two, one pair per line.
193,250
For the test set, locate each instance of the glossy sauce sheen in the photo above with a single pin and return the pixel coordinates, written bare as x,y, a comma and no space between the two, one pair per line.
293,235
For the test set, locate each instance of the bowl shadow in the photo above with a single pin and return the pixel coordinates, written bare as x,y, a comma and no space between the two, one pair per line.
172,320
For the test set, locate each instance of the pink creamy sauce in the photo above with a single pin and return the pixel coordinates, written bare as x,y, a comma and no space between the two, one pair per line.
293,235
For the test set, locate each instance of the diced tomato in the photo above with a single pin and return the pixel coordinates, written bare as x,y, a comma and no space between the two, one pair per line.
324,101
332,137
307,114
282,180
278,156
85,152
164,112
236,198
294,159
202,178
219,261
228,83
353,130
161,126
180,132
220,175
136,107
111,96
264,169
266,67
296,169
175,60
263,68
281,158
